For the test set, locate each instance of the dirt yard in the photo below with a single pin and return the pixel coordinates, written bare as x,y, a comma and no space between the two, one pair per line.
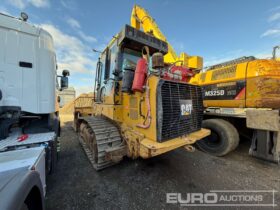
143,184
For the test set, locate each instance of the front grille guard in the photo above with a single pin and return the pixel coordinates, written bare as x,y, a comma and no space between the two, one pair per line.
170,123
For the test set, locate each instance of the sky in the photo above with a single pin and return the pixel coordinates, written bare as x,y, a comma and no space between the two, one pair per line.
217,30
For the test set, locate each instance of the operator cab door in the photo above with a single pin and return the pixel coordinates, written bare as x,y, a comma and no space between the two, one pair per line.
108,90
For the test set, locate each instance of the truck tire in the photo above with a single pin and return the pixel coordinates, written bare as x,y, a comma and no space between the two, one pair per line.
224,137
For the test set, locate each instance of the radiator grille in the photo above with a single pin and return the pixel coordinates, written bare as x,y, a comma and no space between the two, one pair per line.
170,121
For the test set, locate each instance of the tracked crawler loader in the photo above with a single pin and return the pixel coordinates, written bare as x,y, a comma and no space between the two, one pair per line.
142,107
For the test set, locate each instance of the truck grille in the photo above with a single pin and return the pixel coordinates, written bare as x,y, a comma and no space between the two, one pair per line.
170,98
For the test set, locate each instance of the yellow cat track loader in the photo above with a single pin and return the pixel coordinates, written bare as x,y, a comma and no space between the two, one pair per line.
140,107
242,97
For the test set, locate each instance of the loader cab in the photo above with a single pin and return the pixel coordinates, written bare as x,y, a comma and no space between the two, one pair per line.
121,54
105,79
111,69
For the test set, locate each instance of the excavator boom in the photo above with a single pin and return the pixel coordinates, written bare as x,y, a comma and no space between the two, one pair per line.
141,18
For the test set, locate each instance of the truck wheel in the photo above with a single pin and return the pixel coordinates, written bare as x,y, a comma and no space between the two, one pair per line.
224,137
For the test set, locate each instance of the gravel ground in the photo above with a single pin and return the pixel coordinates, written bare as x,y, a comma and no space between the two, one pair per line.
143,184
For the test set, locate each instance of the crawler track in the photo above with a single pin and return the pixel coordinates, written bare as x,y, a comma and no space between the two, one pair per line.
97,135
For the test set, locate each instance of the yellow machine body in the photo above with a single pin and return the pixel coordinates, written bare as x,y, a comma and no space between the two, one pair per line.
253,83
142,142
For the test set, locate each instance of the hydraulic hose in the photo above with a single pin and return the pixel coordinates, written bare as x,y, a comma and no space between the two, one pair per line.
148,116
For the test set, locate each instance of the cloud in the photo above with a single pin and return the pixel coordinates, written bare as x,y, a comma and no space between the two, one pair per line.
230,55
260,54
216,60
87,38
40,3
76,25
22,4
73,23
4,11
83,89
264,55
69,4
274,17
274,9
271,32
72,54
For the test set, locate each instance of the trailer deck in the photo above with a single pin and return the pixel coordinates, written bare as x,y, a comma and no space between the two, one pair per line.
32,139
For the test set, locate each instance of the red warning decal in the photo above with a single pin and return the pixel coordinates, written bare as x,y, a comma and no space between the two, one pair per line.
241,94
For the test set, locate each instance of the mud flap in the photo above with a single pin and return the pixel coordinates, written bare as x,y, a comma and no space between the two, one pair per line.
266,145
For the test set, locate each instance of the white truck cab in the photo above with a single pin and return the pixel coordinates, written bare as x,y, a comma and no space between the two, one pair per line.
27,67
29,120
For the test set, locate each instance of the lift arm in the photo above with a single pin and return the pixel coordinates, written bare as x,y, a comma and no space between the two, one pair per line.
140,17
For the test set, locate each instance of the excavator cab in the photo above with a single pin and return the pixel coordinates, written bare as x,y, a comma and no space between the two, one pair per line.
142,107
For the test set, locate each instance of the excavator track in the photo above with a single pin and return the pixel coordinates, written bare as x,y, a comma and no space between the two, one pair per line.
97,136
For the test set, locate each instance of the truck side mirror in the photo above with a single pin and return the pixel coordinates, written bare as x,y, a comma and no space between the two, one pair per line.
65,73
64,82
64,79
